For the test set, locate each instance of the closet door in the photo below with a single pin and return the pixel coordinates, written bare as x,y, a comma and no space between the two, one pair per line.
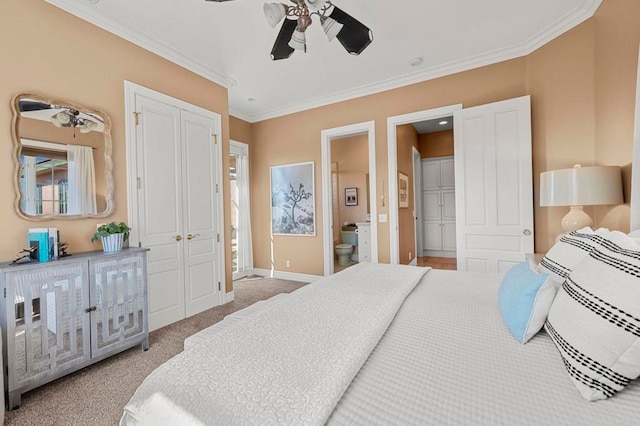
199,170
160,207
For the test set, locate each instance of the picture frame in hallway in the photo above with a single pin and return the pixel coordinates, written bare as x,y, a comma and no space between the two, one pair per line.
351,196
292,199
403,190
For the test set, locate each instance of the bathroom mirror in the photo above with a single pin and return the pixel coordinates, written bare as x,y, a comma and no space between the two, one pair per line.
62,157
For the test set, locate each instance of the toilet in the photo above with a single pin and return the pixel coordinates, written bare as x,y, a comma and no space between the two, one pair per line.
345,250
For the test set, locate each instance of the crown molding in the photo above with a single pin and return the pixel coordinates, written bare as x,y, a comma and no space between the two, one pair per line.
87,11
562,25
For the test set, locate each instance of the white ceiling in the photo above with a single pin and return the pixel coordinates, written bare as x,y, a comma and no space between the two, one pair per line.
230,43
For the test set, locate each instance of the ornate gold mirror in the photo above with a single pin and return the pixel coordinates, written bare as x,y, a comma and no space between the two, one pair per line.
62,155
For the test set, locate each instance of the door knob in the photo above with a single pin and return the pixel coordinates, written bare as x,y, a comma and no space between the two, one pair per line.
178,237
191,237
527,232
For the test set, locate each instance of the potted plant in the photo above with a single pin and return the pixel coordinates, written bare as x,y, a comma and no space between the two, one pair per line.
112,236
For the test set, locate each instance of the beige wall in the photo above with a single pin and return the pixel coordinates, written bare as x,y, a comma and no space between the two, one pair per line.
240,130
278,141
436,144
92,74
575,82
582,87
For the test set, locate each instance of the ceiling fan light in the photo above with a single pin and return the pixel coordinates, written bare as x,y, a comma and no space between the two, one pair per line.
330,26
91,125
298,40
61,118
315,5
84,128
274,12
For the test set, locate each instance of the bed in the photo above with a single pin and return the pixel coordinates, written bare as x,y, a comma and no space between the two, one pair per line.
374,344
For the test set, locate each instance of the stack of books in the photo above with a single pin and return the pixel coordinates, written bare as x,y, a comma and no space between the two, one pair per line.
45,241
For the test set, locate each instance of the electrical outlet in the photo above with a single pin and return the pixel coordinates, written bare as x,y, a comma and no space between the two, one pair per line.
410,258
288,263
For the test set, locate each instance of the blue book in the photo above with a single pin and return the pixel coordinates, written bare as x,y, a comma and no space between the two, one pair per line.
39,238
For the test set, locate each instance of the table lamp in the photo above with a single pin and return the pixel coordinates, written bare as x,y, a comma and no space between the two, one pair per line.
578,187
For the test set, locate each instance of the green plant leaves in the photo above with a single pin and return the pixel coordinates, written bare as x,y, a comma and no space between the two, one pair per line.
111,228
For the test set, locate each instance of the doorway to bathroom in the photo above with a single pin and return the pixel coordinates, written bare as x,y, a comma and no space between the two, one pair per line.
349,194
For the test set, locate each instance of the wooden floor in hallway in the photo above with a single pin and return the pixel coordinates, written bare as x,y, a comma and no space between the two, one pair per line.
438,262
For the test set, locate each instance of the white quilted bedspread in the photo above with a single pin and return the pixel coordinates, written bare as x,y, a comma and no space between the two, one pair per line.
288,365
448,359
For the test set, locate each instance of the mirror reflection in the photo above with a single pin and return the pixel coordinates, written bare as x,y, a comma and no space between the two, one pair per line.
63,164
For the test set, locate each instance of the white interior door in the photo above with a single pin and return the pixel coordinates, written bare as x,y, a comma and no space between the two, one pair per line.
160,207
494,191
199,171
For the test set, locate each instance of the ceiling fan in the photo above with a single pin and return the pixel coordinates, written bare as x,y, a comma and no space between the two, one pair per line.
336,23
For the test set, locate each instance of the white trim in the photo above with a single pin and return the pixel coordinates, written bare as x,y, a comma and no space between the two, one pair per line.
414,262
417,200
635,165
229,297
392,144
293,276
126,30
326,136
51,146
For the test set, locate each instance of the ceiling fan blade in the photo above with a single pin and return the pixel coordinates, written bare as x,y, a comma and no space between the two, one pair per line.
33,106
281,48
354,35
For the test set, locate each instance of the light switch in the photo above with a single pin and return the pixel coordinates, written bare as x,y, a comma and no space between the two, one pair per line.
382,218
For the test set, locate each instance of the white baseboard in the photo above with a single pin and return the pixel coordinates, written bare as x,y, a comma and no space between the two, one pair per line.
228,297
293,276
414,262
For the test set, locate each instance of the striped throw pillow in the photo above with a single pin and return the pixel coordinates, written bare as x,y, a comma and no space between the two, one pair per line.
569,251
595,318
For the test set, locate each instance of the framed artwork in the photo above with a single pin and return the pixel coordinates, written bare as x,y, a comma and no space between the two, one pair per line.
292,200
403,191
351,196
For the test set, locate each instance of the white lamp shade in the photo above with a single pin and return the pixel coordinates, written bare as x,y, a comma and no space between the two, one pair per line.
274,12
331,27
298,40
581,186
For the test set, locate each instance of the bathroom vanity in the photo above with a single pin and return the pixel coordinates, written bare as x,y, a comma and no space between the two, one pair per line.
364,241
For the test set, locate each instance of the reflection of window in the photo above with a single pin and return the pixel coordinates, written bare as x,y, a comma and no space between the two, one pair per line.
63,195
40,179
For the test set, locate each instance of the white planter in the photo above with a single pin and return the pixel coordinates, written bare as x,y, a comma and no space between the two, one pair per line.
112,242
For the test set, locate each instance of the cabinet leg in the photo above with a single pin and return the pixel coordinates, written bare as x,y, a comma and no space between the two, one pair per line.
145,344
14,400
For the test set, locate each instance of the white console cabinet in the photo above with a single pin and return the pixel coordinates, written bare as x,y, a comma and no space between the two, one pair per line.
58,317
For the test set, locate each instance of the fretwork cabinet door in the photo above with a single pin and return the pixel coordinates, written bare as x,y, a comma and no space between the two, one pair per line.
118,301
47,324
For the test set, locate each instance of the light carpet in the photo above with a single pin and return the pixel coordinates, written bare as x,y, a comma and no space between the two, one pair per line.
96,395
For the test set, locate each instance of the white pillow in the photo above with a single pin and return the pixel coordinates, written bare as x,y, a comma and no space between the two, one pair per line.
565,254
595,318
635,235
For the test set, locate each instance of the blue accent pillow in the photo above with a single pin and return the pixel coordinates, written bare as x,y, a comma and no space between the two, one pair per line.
525,297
